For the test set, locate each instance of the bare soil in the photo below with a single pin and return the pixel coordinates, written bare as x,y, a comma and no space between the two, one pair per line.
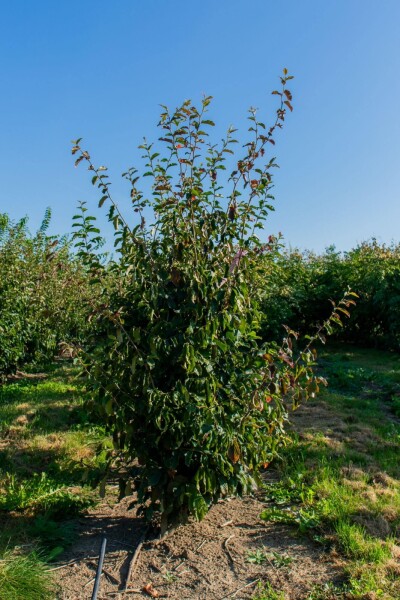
200,561
203,561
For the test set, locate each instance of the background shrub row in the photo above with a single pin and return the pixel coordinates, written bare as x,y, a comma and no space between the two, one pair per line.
301,285
43,295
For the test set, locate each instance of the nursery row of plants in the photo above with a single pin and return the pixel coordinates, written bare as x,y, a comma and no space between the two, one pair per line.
43,294
47,303
301,286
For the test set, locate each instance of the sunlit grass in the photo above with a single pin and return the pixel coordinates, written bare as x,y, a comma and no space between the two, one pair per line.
49,453
24,576
340,477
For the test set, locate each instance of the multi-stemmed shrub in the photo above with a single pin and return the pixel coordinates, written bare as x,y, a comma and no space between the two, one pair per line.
180,375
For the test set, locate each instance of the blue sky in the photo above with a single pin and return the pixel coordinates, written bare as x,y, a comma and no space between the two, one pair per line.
99,70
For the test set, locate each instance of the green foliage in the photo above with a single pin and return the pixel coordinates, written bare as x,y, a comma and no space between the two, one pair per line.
329,591
305,519
292,491
42,294
260,556
40,493
180,375
257,557
52,535
301,285
265,591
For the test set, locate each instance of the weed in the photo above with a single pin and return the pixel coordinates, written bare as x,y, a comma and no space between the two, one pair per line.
293,490
257,557
367,582
265,591
169,576
305,519
40,493
327,591
280,560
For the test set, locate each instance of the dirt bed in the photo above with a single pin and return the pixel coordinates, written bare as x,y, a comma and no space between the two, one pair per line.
201,561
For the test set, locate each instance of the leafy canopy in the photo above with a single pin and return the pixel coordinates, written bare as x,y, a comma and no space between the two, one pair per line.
180,376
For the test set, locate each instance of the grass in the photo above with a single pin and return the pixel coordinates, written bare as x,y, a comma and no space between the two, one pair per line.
340,472
24,576
49,454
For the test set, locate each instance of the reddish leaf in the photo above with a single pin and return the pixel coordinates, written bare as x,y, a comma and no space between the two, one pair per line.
288,95
150,590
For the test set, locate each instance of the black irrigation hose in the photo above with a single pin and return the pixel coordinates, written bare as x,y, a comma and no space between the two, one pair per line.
99,569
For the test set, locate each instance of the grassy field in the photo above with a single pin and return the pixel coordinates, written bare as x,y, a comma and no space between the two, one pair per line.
338,484
48,453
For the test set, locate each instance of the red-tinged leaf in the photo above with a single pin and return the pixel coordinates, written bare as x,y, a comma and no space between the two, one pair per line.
286,359
290,107
288,95
232,212
276,93
150,590
271,141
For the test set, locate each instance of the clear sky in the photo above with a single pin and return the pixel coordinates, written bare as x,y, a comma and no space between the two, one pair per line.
99,69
